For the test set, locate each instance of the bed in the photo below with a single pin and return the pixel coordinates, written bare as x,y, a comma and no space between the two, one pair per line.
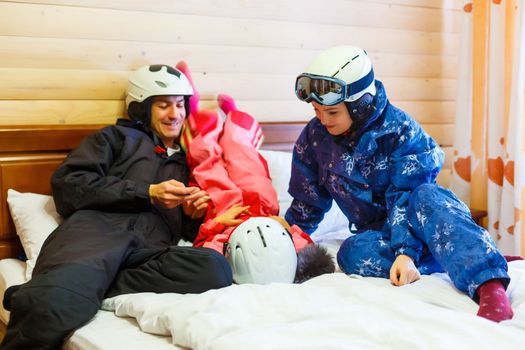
333,311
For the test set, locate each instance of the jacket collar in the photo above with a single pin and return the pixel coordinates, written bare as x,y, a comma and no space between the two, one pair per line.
159,148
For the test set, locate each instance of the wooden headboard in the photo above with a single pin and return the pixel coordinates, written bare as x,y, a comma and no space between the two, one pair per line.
30,154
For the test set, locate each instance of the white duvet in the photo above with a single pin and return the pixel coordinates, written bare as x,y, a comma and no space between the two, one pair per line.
333,311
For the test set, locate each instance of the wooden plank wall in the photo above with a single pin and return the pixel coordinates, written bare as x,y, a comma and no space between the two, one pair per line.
66,61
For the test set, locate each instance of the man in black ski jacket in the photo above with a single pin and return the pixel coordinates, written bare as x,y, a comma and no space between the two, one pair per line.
122,193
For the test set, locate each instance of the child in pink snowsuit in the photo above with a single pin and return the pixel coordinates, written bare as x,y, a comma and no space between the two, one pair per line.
224,162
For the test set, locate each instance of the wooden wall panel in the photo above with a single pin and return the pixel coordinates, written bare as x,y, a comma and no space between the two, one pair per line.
92,23
18,112
67,61
387,14
59,53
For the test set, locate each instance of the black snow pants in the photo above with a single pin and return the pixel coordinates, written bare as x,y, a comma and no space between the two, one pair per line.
77,269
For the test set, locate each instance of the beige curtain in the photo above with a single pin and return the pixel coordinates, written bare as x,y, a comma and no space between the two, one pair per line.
489,146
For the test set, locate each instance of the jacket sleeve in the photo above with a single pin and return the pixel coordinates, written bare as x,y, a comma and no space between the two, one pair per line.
213,235
415,160
207,231
310,200
299,237
82,181
190,228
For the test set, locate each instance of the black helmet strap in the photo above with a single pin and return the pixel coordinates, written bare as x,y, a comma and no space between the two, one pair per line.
361,109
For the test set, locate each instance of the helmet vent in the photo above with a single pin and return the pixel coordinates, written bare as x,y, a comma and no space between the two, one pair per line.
161,84
262,236
344,65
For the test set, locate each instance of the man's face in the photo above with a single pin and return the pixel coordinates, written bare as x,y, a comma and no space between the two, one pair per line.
167,116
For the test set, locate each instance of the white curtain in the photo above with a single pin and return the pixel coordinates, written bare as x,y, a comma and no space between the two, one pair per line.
489,147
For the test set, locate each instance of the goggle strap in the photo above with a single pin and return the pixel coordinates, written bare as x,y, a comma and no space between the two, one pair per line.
361,84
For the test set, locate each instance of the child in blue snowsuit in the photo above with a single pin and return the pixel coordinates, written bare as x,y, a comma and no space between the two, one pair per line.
380,167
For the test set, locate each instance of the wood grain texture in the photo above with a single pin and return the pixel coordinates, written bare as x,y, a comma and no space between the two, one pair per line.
33,20
67,61
123,55
421,15
39,138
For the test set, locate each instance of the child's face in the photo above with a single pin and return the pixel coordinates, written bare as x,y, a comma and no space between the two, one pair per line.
335,118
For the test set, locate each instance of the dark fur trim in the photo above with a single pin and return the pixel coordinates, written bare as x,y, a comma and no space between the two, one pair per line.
313,260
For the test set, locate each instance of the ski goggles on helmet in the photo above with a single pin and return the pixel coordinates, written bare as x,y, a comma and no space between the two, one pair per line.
328,91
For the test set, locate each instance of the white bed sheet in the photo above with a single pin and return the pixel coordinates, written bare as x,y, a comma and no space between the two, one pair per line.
12,272
104,332
333,311
108,332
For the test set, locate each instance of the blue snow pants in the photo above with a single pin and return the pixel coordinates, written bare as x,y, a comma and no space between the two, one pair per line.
453,243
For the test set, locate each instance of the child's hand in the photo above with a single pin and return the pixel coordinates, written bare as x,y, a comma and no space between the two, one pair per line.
282,221
229,217
403,271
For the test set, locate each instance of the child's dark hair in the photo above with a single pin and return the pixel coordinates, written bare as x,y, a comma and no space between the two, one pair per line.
313,260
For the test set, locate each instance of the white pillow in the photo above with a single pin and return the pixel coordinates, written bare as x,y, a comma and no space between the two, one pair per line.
334,225
35,217
280,166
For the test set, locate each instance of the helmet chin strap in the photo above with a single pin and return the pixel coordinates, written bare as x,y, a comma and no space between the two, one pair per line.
361,109
140,111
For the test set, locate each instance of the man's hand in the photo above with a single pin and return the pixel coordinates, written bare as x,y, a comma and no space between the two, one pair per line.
172,193
197,208
403,271
229,217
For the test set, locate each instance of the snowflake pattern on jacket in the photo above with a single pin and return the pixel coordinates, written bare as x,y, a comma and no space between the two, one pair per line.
383,177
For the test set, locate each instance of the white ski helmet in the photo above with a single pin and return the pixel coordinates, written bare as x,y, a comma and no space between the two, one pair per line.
261,251
341,73
155,80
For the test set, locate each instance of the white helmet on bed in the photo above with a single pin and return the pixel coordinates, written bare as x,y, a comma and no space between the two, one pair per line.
261,251
155,80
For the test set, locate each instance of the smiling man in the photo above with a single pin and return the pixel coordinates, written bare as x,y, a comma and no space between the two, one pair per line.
126,205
